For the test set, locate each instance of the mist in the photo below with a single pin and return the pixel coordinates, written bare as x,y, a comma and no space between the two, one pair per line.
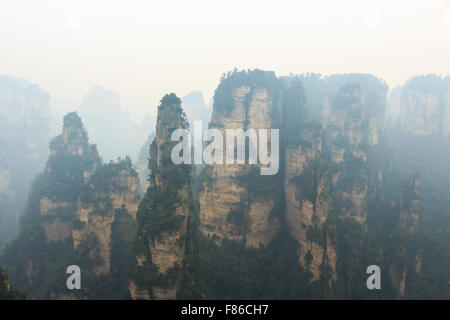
90,93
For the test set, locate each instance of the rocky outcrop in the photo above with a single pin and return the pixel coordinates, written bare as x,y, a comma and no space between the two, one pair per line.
409,259
77,208
421,113
354,126
306,187
236,202
98,211
324,165
410,205
6,292
425,106
5,286
164,214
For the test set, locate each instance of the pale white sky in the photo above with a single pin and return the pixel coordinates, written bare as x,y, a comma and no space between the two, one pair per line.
144,49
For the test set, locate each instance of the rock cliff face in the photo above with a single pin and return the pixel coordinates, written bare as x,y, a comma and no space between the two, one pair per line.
408,223
306,187
164,214
324,168
425,106
354,125
77,209
6,292
410,206
236,202
24,128
5,286
351,111
420,141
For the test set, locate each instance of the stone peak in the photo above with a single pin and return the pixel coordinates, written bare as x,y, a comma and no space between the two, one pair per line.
72,119
169,100
74,138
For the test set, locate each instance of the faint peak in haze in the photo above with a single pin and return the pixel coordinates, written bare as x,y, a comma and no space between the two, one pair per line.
109,126
195,107
17,94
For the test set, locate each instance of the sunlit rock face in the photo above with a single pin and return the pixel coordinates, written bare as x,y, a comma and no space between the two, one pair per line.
236,201
346,141
78,210
354,124
164,214
24,128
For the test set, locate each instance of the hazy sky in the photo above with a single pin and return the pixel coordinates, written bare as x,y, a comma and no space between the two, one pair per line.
144,49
